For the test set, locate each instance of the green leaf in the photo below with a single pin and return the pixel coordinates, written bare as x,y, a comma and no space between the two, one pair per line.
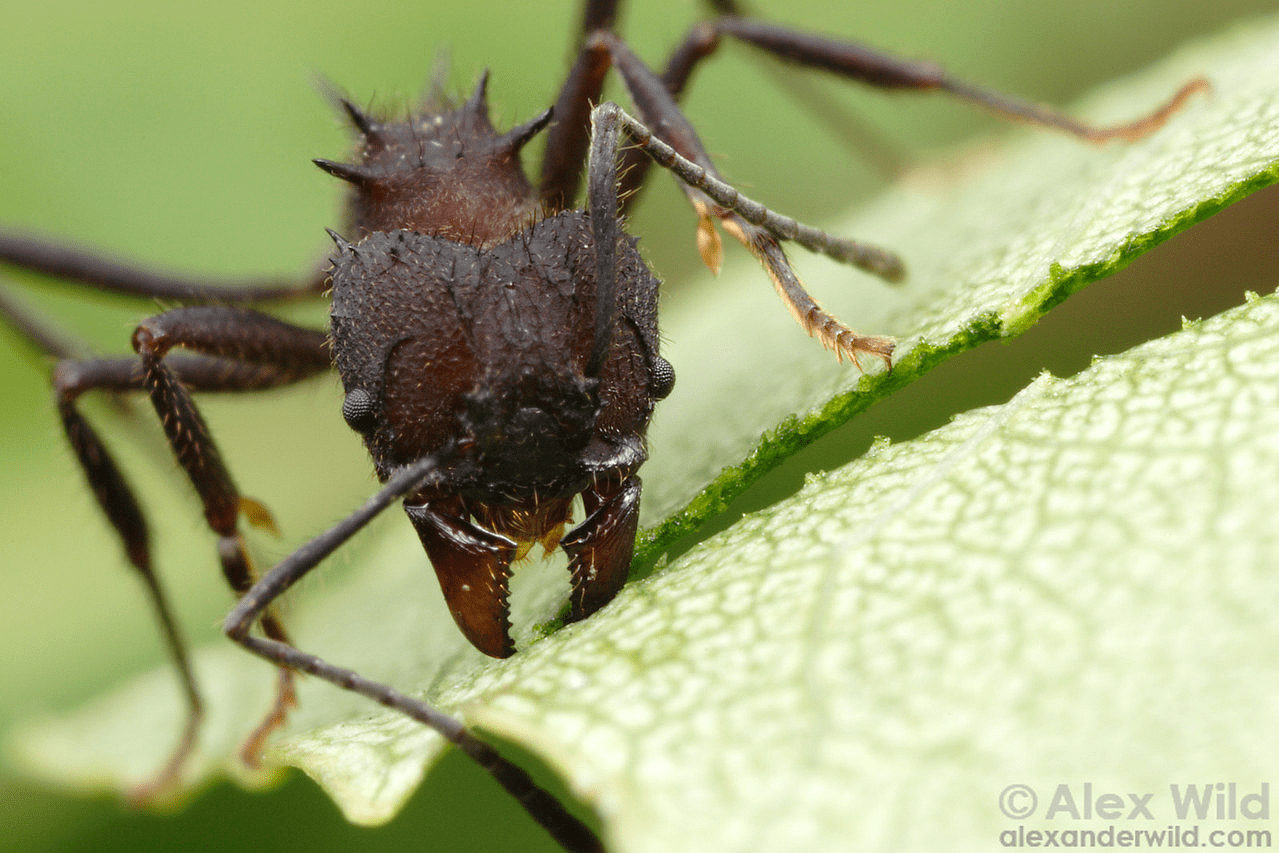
1074,586
875,659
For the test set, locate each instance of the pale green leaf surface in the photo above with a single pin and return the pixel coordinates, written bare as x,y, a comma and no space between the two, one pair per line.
922,621
1074,586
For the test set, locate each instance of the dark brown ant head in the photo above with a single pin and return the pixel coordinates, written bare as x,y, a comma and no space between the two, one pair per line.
444,172
441,342
464,315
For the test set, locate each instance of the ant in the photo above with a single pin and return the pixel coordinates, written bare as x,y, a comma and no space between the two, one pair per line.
497,345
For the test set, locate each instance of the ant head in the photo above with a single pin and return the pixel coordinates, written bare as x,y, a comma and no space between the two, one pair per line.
441,342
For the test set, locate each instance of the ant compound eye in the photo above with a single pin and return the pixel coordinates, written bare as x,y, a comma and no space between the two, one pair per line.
662,380
358,411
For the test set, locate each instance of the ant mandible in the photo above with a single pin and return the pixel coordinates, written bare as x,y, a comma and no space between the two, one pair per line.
497,346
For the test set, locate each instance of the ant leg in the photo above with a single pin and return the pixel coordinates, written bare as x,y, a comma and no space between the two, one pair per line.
701,42
597,15
282,352
83,266
569,132
757,227
116,498
75,374
568,136
421,475
876,68
664,120
881,70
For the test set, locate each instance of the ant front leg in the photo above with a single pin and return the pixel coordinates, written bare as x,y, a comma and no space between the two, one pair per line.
74,375
248,339
666,136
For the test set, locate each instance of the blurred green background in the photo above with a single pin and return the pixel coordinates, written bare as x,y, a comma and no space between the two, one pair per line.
180,134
